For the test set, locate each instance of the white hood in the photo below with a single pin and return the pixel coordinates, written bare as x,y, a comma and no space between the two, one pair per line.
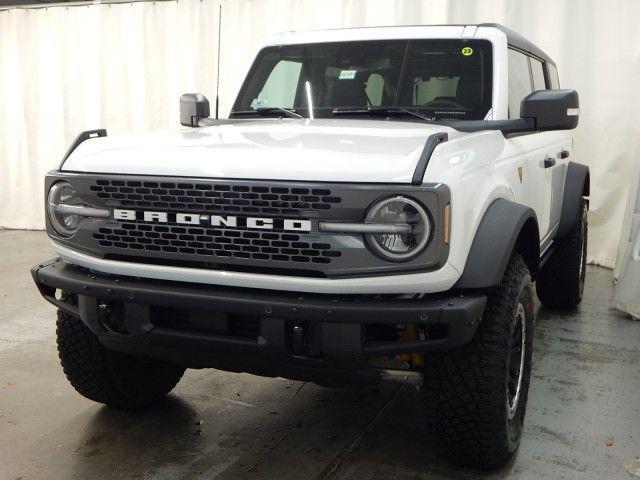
339,150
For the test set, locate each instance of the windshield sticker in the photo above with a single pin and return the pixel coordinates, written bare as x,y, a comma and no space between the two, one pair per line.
347,75
467,51
258,103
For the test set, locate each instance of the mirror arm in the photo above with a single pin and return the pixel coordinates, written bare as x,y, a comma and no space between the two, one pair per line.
207,122
195,120
515,125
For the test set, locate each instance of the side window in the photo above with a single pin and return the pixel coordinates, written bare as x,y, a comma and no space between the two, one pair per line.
519,81
553,77
538,74
280,88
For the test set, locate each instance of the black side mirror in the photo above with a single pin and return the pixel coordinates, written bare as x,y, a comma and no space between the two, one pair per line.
551,109
193,107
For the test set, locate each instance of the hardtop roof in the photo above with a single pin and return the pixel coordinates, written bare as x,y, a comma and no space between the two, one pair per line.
514,39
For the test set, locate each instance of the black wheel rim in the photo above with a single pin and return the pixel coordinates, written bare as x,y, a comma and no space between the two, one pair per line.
516,360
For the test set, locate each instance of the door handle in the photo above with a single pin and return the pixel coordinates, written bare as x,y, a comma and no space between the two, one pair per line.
549,161
564,154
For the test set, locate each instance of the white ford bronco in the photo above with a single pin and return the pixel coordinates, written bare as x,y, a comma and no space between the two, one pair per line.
377,206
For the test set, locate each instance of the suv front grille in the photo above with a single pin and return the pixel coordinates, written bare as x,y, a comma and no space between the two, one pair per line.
203,197
215,242
275,247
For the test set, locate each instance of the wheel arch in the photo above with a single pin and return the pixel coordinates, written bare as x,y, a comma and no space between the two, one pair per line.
577,185
505,227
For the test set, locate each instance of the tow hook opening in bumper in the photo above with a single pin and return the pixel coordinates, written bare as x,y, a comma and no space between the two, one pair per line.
304,339
110,317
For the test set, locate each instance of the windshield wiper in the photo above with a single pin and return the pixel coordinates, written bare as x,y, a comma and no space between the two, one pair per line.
381,111
269,110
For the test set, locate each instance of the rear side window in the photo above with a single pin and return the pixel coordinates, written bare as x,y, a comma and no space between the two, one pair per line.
537,72
554,83
519,81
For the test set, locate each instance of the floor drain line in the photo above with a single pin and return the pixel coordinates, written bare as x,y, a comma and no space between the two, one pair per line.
333,467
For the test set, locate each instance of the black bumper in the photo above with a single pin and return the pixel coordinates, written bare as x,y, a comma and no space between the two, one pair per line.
323,338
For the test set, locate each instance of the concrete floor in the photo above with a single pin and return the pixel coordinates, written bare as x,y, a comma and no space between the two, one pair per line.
585,394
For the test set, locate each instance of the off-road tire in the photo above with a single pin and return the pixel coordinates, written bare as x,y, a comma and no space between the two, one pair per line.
113,378
467,389
560,283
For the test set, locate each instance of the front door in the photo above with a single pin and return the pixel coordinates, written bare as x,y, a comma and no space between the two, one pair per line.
543,155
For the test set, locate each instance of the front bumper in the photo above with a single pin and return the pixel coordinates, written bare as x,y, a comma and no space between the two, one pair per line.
323,338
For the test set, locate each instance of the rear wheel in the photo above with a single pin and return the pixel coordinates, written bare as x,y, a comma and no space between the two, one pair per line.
105,376
560,283
476,395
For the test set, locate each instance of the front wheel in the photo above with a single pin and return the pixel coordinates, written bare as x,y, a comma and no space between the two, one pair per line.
113,378
476,395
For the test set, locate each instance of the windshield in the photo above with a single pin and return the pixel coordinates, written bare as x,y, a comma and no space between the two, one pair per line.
442,79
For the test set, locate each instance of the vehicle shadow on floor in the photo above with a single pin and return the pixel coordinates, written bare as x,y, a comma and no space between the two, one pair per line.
397,445
385,438
126,444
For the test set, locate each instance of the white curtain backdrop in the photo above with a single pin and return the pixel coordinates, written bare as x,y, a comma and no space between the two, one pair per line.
123,67
65,69
626,295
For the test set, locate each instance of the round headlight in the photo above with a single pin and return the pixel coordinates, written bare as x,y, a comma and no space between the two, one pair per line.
400,211
61,193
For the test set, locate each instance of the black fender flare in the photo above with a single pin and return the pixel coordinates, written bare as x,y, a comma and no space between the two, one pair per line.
576,186
505,226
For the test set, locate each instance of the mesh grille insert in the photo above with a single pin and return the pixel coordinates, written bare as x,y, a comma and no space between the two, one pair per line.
205,197
215,242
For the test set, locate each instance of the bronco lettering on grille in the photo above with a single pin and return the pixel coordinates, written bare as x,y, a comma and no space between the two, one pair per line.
228,221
